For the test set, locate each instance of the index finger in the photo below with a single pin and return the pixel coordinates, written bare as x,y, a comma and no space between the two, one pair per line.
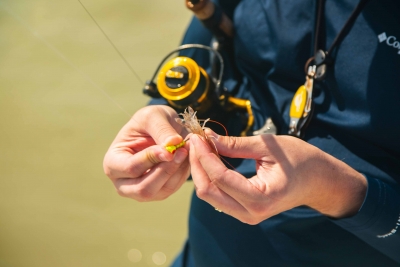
227,180
207,187
122,163
159,123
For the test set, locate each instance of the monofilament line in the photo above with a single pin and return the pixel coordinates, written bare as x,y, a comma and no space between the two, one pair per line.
113,45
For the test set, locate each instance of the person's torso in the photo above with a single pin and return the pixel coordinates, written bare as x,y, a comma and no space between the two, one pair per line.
355,120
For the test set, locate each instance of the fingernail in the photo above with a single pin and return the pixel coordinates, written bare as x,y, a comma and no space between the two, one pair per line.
211,133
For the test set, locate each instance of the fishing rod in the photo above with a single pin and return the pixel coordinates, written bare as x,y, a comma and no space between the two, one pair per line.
182,82
205,91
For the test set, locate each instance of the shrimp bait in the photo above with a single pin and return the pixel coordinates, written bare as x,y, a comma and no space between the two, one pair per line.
191,123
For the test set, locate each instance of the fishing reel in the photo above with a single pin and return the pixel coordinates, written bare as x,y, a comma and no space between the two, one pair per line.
182,83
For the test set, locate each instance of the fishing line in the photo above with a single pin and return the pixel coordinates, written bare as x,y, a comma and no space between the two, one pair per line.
113,45
59,54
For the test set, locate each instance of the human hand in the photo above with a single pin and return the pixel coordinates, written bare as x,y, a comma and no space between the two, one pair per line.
290,173
137,162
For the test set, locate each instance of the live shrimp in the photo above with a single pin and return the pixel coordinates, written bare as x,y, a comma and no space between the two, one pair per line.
191,123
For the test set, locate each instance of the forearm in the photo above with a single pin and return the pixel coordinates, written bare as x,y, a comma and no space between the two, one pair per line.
339,189
367,207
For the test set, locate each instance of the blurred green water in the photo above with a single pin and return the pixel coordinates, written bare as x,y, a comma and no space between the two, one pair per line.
64,94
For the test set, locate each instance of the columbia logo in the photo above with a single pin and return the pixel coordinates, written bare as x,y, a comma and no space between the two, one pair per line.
382,37
390,41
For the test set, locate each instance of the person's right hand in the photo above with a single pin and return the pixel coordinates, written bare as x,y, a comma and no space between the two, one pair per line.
137,162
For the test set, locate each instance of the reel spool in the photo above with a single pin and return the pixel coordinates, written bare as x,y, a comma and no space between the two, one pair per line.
182,83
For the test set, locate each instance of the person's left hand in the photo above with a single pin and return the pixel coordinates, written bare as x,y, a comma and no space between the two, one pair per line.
290,173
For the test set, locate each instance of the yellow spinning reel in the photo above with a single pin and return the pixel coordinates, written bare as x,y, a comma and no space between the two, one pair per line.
182,82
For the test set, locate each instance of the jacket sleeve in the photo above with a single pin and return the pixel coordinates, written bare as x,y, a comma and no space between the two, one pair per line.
378,220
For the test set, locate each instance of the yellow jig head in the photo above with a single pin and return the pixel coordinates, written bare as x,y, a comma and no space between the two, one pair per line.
172,149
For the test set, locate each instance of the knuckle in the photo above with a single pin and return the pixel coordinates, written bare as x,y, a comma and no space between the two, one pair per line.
128,171
122,191
116,168
107,169
161,198
233,143
146,112
168,172
168,190
142,194
162,129
256,207
219,178
202,193
251,221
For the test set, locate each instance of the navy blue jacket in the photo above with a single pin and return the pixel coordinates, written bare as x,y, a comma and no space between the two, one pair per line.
356,119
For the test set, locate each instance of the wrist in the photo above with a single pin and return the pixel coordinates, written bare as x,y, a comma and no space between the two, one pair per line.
340,190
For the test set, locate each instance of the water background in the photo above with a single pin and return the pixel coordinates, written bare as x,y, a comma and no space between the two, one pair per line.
64,94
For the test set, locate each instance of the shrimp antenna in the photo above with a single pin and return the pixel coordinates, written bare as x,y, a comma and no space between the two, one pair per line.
220,124
112,44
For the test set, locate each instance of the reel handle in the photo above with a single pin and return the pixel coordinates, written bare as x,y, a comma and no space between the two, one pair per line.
233,103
